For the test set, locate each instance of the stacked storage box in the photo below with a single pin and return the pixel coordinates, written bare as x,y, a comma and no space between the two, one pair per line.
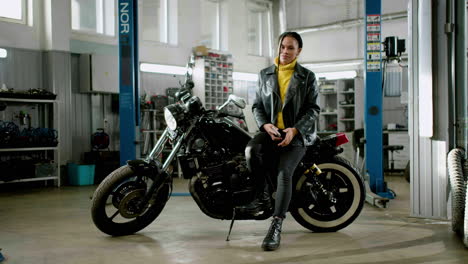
212,76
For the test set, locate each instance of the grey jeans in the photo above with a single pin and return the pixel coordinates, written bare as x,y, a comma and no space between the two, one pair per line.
265,157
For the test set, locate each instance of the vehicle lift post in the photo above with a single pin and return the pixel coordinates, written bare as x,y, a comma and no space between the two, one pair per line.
376,190
129,102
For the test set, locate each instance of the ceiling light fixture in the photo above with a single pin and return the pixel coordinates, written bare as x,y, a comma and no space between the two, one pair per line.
163,69
313,66
3,53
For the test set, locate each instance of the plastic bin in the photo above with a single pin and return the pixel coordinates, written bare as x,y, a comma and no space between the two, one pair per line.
81,174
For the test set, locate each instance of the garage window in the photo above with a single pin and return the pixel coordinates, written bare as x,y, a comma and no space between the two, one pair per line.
214,20
13,11
159,21
259,28
94,17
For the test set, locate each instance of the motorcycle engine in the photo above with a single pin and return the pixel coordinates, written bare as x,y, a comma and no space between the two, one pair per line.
199,145
241,183
216,186
224,185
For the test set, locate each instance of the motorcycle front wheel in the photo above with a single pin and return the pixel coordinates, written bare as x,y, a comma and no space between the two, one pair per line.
116,209
330,201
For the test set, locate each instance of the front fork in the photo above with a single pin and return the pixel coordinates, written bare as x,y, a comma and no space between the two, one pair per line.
158,148
163,174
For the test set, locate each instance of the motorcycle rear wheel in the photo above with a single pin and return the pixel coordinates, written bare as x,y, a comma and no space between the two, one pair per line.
340,202
117,193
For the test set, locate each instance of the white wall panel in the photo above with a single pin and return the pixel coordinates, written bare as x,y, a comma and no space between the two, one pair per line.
306,13
22,69
301,13
345,44
394,6
57,76
428,155
440,179
331,45
81,105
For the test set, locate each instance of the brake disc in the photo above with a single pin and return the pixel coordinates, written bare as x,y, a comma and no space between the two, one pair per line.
123,190
129,206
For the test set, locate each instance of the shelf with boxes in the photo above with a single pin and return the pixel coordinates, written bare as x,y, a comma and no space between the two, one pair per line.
212,76
337,102
29,140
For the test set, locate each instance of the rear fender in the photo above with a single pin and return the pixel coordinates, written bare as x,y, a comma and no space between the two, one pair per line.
321,150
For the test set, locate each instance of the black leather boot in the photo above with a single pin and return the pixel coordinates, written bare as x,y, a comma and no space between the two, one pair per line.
273,237
260,203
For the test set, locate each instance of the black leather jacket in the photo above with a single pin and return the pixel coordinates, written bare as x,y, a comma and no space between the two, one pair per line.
300,109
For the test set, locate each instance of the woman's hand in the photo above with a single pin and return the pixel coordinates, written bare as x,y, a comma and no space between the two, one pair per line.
273,131
291,132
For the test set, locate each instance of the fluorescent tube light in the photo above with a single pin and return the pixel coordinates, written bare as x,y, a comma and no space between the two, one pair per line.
243,76
164,69
3,53
337,75
313,66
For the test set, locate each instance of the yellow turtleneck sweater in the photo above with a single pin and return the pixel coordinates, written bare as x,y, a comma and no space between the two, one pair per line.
285,73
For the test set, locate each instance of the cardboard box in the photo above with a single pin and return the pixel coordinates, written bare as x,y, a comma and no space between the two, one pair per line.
200,51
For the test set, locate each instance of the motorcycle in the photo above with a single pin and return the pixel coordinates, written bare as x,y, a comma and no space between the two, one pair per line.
328,192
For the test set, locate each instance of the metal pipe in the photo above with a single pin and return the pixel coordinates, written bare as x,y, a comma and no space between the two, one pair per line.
347,23
449,28
460,73
282,16
332,63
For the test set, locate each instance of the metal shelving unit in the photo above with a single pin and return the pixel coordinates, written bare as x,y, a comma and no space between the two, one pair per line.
46,115
152,126
337,99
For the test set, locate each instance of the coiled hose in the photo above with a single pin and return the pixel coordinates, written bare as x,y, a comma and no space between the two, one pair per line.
458,185
465,229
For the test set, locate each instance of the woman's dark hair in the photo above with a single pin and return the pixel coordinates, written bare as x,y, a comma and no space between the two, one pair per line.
292,34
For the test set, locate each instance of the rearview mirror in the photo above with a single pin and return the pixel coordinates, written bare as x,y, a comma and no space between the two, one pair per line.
238,101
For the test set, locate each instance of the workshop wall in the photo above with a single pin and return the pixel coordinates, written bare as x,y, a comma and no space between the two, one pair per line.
329,45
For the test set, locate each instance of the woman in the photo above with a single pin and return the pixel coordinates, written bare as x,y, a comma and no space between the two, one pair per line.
285,110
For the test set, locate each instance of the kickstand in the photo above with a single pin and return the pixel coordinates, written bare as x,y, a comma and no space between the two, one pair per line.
232,223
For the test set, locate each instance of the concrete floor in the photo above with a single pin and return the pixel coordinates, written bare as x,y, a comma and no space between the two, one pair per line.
53,225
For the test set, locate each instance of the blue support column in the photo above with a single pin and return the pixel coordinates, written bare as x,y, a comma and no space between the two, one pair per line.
129,109
373,99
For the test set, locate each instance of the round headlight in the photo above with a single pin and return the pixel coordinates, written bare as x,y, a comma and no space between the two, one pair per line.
170,120
173,114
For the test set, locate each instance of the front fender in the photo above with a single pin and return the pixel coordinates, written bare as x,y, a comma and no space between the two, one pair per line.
150,169
153,170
